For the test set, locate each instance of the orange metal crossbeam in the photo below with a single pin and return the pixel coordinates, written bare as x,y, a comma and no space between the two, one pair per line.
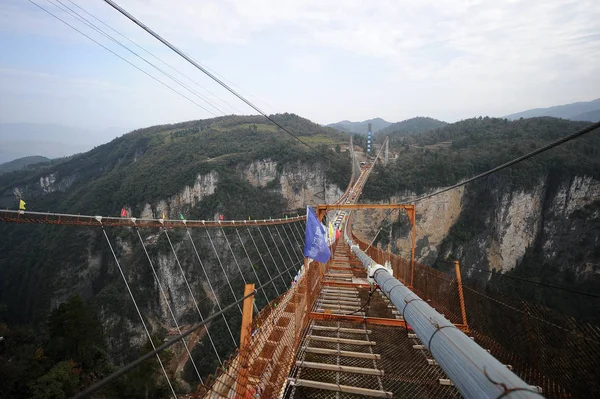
345,284
359,319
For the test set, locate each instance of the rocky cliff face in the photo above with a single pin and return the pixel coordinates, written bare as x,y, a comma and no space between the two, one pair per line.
494,226
300,184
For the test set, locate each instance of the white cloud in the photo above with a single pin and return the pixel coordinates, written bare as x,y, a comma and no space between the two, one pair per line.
454,58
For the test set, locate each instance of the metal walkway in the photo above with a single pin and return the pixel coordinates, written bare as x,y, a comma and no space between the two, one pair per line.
367,358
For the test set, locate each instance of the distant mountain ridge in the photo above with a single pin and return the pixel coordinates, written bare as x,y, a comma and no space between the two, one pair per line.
18,140
419,124
361,127
579,111
22,163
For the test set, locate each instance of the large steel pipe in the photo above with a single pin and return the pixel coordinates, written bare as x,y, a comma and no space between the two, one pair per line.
474,372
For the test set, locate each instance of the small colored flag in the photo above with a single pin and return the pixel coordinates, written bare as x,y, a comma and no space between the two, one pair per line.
181,216
123,213
221,217
315,244
21,205
331,234
163,215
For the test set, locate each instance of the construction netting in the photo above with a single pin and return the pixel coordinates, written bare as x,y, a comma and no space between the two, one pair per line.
260,367
547,349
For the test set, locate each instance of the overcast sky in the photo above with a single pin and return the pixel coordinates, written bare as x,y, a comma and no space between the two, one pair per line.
322,59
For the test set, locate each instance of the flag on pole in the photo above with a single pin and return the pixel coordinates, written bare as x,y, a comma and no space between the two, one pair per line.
315,244
181,216
21,205
163,215
331,233
123,213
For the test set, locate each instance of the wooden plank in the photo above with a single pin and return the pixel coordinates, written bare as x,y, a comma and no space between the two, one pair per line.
339,307
345,284
335,352
341,329
340,369
342,340
381,321
339,312
340,388
341,301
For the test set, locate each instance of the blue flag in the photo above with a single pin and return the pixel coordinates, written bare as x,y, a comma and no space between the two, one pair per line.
315,244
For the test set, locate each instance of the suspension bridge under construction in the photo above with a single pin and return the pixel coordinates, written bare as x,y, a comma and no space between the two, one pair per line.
367,323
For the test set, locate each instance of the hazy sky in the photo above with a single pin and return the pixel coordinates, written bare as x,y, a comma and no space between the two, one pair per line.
322,59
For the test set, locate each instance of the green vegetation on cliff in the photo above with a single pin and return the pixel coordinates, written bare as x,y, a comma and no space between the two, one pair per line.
444,156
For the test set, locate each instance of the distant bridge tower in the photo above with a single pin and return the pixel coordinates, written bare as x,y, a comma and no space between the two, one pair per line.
369,140
387,150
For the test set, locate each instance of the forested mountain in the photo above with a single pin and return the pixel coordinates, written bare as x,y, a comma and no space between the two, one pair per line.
579,111
238,166
410,126
361,127
538,219
22,163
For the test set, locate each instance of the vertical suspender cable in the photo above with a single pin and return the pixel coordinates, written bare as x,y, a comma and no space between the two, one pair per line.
278,250
237,264
252,266
272,258
164,295
223,269
193,298
138,312
210,286
263,262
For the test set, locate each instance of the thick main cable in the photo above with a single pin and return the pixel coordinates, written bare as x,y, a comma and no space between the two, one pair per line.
122,58
156,352
90,24
547,147
208,73
158,59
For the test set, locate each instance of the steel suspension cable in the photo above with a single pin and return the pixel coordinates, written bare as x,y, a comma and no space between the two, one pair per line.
251,265
300,235
158,59
122,58
208,73
164,295
277,248
236,263
167,344
291,243
139,313
193,298
90,24
210,285
297,247
284,246
271,255
263,261
548,146
223,268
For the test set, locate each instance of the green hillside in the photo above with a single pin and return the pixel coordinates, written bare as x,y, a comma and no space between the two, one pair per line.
156,162
396,131
444,156
21,163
